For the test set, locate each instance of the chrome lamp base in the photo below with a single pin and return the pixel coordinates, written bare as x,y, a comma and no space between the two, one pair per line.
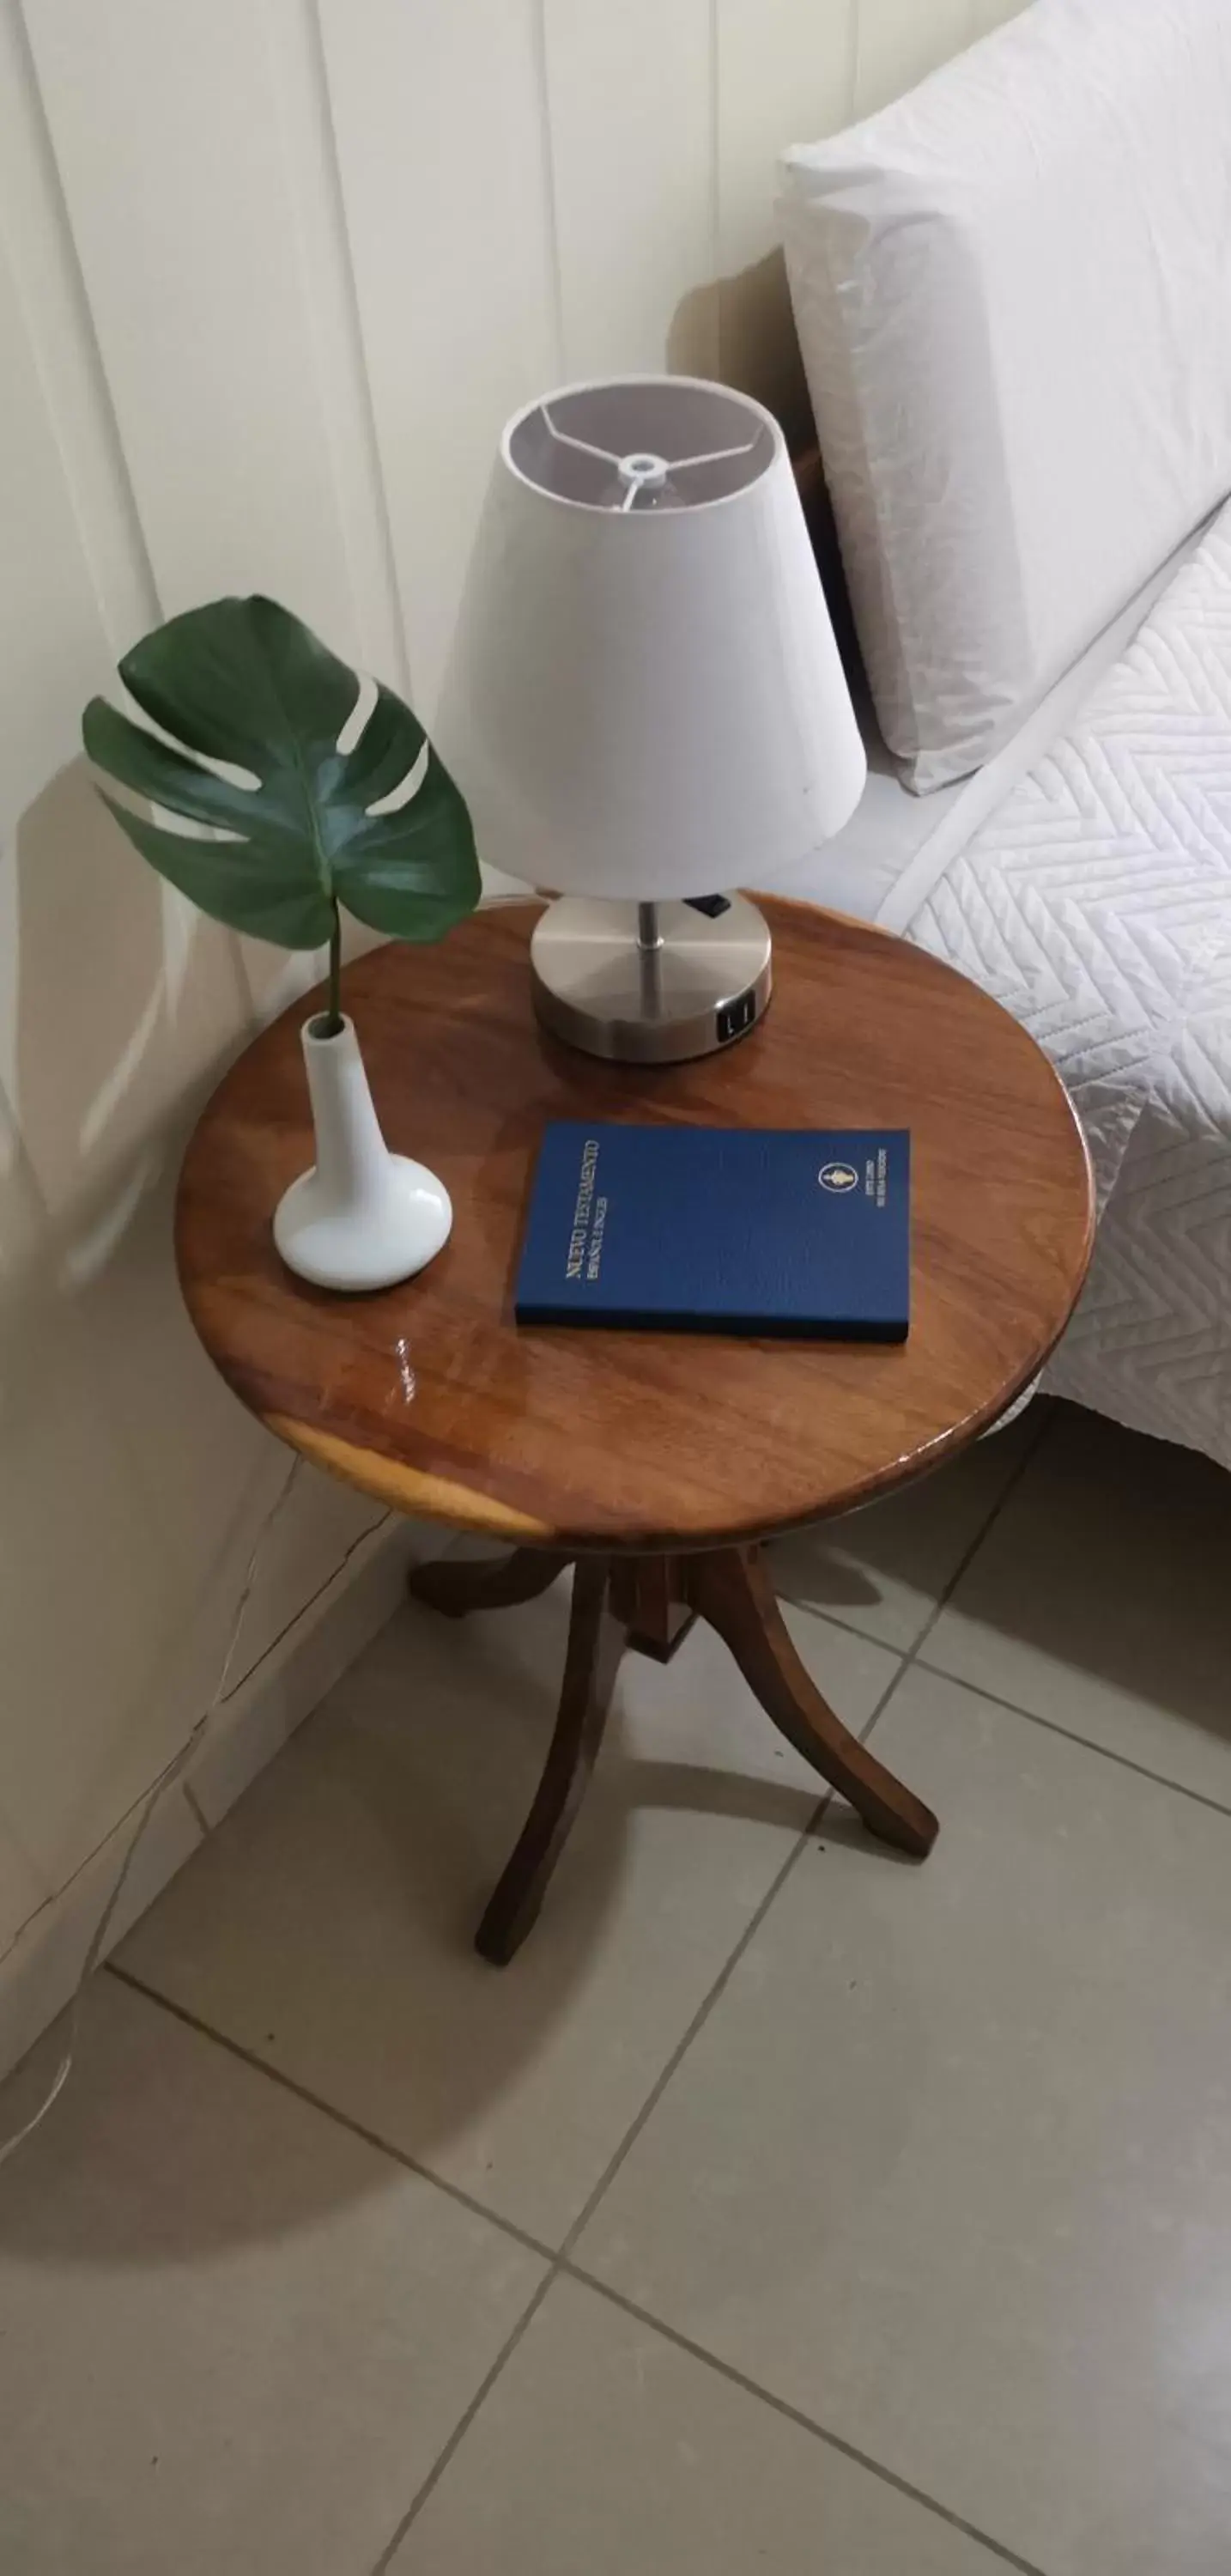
650,983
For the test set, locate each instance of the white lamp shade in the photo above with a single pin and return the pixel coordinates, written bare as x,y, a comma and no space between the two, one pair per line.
645,698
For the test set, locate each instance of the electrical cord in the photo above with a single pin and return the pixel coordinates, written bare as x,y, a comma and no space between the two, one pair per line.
166,1779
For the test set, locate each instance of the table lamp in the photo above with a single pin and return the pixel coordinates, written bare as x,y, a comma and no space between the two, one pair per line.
645,706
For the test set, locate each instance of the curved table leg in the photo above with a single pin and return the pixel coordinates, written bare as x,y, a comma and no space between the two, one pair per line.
496,1583
595,1644
733,1591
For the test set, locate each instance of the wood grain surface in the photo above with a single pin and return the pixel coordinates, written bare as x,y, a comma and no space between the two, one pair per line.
429,1397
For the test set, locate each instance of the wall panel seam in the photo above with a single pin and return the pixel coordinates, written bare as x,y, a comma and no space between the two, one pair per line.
367,407
387,611
715,205
550,205
852,56
106,423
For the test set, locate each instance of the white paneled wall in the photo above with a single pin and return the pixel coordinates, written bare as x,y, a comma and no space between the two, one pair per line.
272,272
437,109
630,119
896,42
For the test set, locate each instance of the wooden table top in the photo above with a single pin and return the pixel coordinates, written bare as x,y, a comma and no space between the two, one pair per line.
428,1396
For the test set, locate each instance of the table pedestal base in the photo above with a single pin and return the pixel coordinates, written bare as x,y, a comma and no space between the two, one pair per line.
649,1603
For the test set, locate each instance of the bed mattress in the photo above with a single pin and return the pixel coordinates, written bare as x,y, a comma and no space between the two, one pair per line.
897,844
1094,900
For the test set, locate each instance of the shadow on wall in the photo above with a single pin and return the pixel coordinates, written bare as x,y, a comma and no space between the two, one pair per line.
742,329
129,1475
748,321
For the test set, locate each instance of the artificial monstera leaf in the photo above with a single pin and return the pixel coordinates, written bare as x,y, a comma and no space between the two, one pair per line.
242,681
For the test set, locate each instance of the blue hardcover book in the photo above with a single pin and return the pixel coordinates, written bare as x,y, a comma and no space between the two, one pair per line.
785,1230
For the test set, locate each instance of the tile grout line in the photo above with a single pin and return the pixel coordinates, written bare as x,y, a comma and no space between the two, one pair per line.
915,1656
396,2155
385,2146
839,1619
555,2260
903,1662
1052,1726
329,2111
909,1658
560,2263
823,1609
967,1558
464,2422
563,2267
700,2017
727,2370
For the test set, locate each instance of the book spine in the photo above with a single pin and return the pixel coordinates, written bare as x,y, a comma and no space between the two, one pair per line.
783,1328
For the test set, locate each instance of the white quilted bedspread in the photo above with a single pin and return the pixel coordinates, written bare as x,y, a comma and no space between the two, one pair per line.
1096,904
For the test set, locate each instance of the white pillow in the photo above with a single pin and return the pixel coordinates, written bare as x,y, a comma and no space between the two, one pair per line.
1013,296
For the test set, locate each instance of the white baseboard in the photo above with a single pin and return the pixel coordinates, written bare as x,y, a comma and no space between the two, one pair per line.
39,1974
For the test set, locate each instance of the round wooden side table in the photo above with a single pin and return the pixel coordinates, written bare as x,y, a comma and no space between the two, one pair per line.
656,1462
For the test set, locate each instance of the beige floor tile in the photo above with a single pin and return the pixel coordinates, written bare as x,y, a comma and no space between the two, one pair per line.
1101,1599
884,1569
328,1924
949,2165
605,2449
231,2335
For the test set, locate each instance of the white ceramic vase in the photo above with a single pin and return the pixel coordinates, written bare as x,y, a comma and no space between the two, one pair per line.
362,1217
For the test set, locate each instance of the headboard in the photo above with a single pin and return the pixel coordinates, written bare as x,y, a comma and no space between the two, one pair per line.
1012,291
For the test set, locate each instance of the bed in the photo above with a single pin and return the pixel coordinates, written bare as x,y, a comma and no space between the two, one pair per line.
1049,799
